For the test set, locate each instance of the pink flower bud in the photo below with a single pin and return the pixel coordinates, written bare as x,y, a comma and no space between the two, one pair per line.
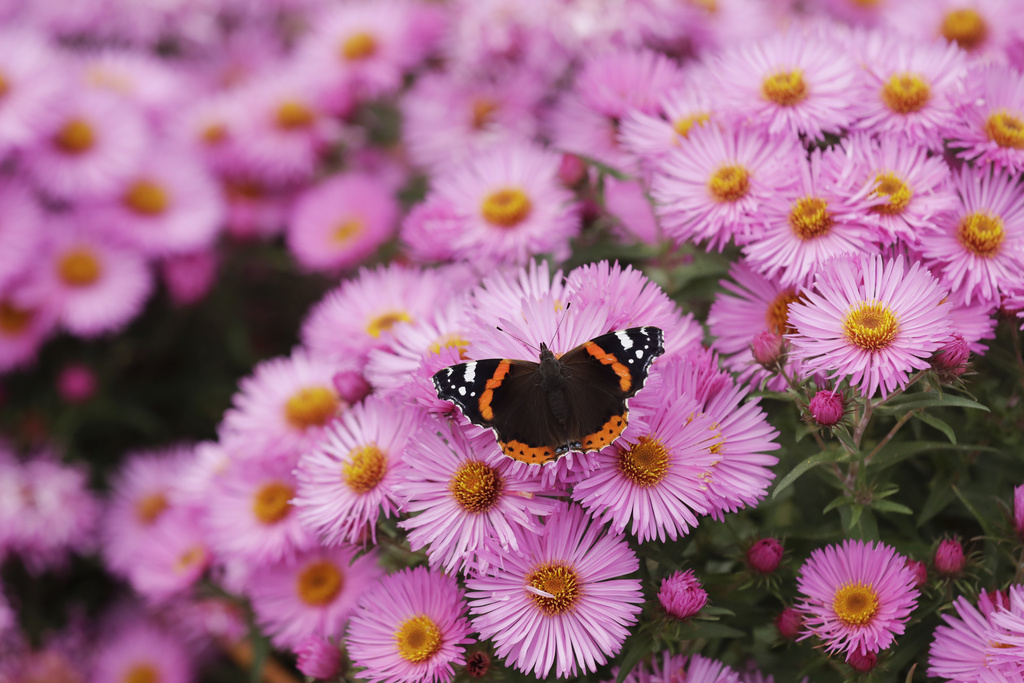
949,558
788,622
1018,511
681,595
827,407
76,383
764,556
920,570
351,386
951,359
478,664
862,661
571,170
189,277
317,658
767,348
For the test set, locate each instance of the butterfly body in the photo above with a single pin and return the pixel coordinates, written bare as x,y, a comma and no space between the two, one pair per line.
542,410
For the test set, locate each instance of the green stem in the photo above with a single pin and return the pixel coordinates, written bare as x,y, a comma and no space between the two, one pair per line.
888,437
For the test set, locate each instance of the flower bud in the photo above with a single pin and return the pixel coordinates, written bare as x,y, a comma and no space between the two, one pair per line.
351,386
920,571
827,407
950,361
1018,511
478,664
764,556
789,622
949,558
681,595
76,383
571,170
862,661
317,658
767,348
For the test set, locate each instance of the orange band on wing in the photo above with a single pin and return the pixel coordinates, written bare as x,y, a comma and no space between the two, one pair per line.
625,379
528,454
609,431
488,394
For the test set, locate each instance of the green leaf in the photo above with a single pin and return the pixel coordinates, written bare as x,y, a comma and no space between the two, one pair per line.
799,470
889,506
836,502
983,520
935,422
940,494
604,168
638,649
843,434
697,629
897,451
907,402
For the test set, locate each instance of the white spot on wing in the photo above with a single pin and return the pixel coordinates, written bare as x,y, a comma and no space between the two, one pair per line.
462,391
639,353
624,339
470,372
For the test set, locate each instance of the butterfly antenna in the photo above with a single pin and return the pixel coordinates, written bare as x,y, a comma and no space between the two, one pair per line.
518,339
559,325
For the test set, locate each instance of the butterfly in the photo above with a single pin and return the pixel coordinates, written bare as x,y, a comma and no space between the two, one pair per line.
575,402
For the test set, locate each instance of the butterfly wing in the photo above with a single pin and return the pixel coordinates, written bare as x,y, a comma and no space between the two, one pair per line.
602,375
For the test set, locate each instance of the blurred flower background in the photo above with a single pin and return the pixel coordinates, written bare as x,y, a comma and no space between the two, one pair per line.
239,237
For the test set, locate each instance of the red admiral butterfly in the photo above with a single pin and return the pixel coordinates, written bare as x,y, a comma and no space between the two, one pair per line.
576,402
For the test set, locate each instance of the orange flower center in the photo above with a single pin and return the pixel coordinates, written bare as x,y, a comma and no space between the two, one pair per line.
1005,129
855,603
13,319
365,469
729,183
898,193
981,233
143,672
476,486
75,137
507,207
271,502
359,46
560,585
385,321
645,464
965,27
906,93
418,639
871,326
810,218
777,315
311,407
319,583
146,197
785,88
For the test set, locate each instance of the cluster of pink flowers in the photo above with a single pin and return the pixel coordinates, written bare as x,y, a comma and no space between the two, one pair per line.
862,159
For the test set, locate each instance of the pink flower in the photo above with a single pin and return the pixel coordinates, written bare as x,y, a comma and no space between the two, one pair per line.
171,557
789,622
857,596
140,650
827,407
189,277
681,595
410,627
764,556
77,383
951,360
318,658
960,648
619,81
34,82
990,129
27,318
561,602
920,570
983,29
874,321
652,136
1018,510
341,221
668,667
21,231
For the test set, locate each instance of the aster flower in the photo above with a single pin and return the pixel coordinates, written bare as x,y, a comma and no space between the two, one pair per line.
712,187
909,188
651,136
990,128
692,669
561,603
576,128
461,485
410,627
20,231
169,205
33,83
959,648
92,146
857,596
311,594
873,321
94,284
978,248
1005,650
619,81
250,514
318,658
171,557
908,88
633,215
282,408
341,221
189,277
681,595
806,225
796,82
26,320
511,205
367,446
140,650
147,82
983,29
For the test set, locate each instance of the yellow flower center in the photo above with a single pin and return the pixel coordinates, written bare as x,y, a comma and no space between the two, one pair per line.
418,639
898,192
146,197
5,87
1005,129
79,267
484,109
311,407
777,315
365,469
810,218
75,137
292,115
507,207
906,93
214,134
871,326
684,125
194,556
965,27
645,463
385,321
855,603
785,88
346,231
359,46
13,319
271,502
143,672
451,341
981,233
561,584
319,583
729,183
476,486
149,508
